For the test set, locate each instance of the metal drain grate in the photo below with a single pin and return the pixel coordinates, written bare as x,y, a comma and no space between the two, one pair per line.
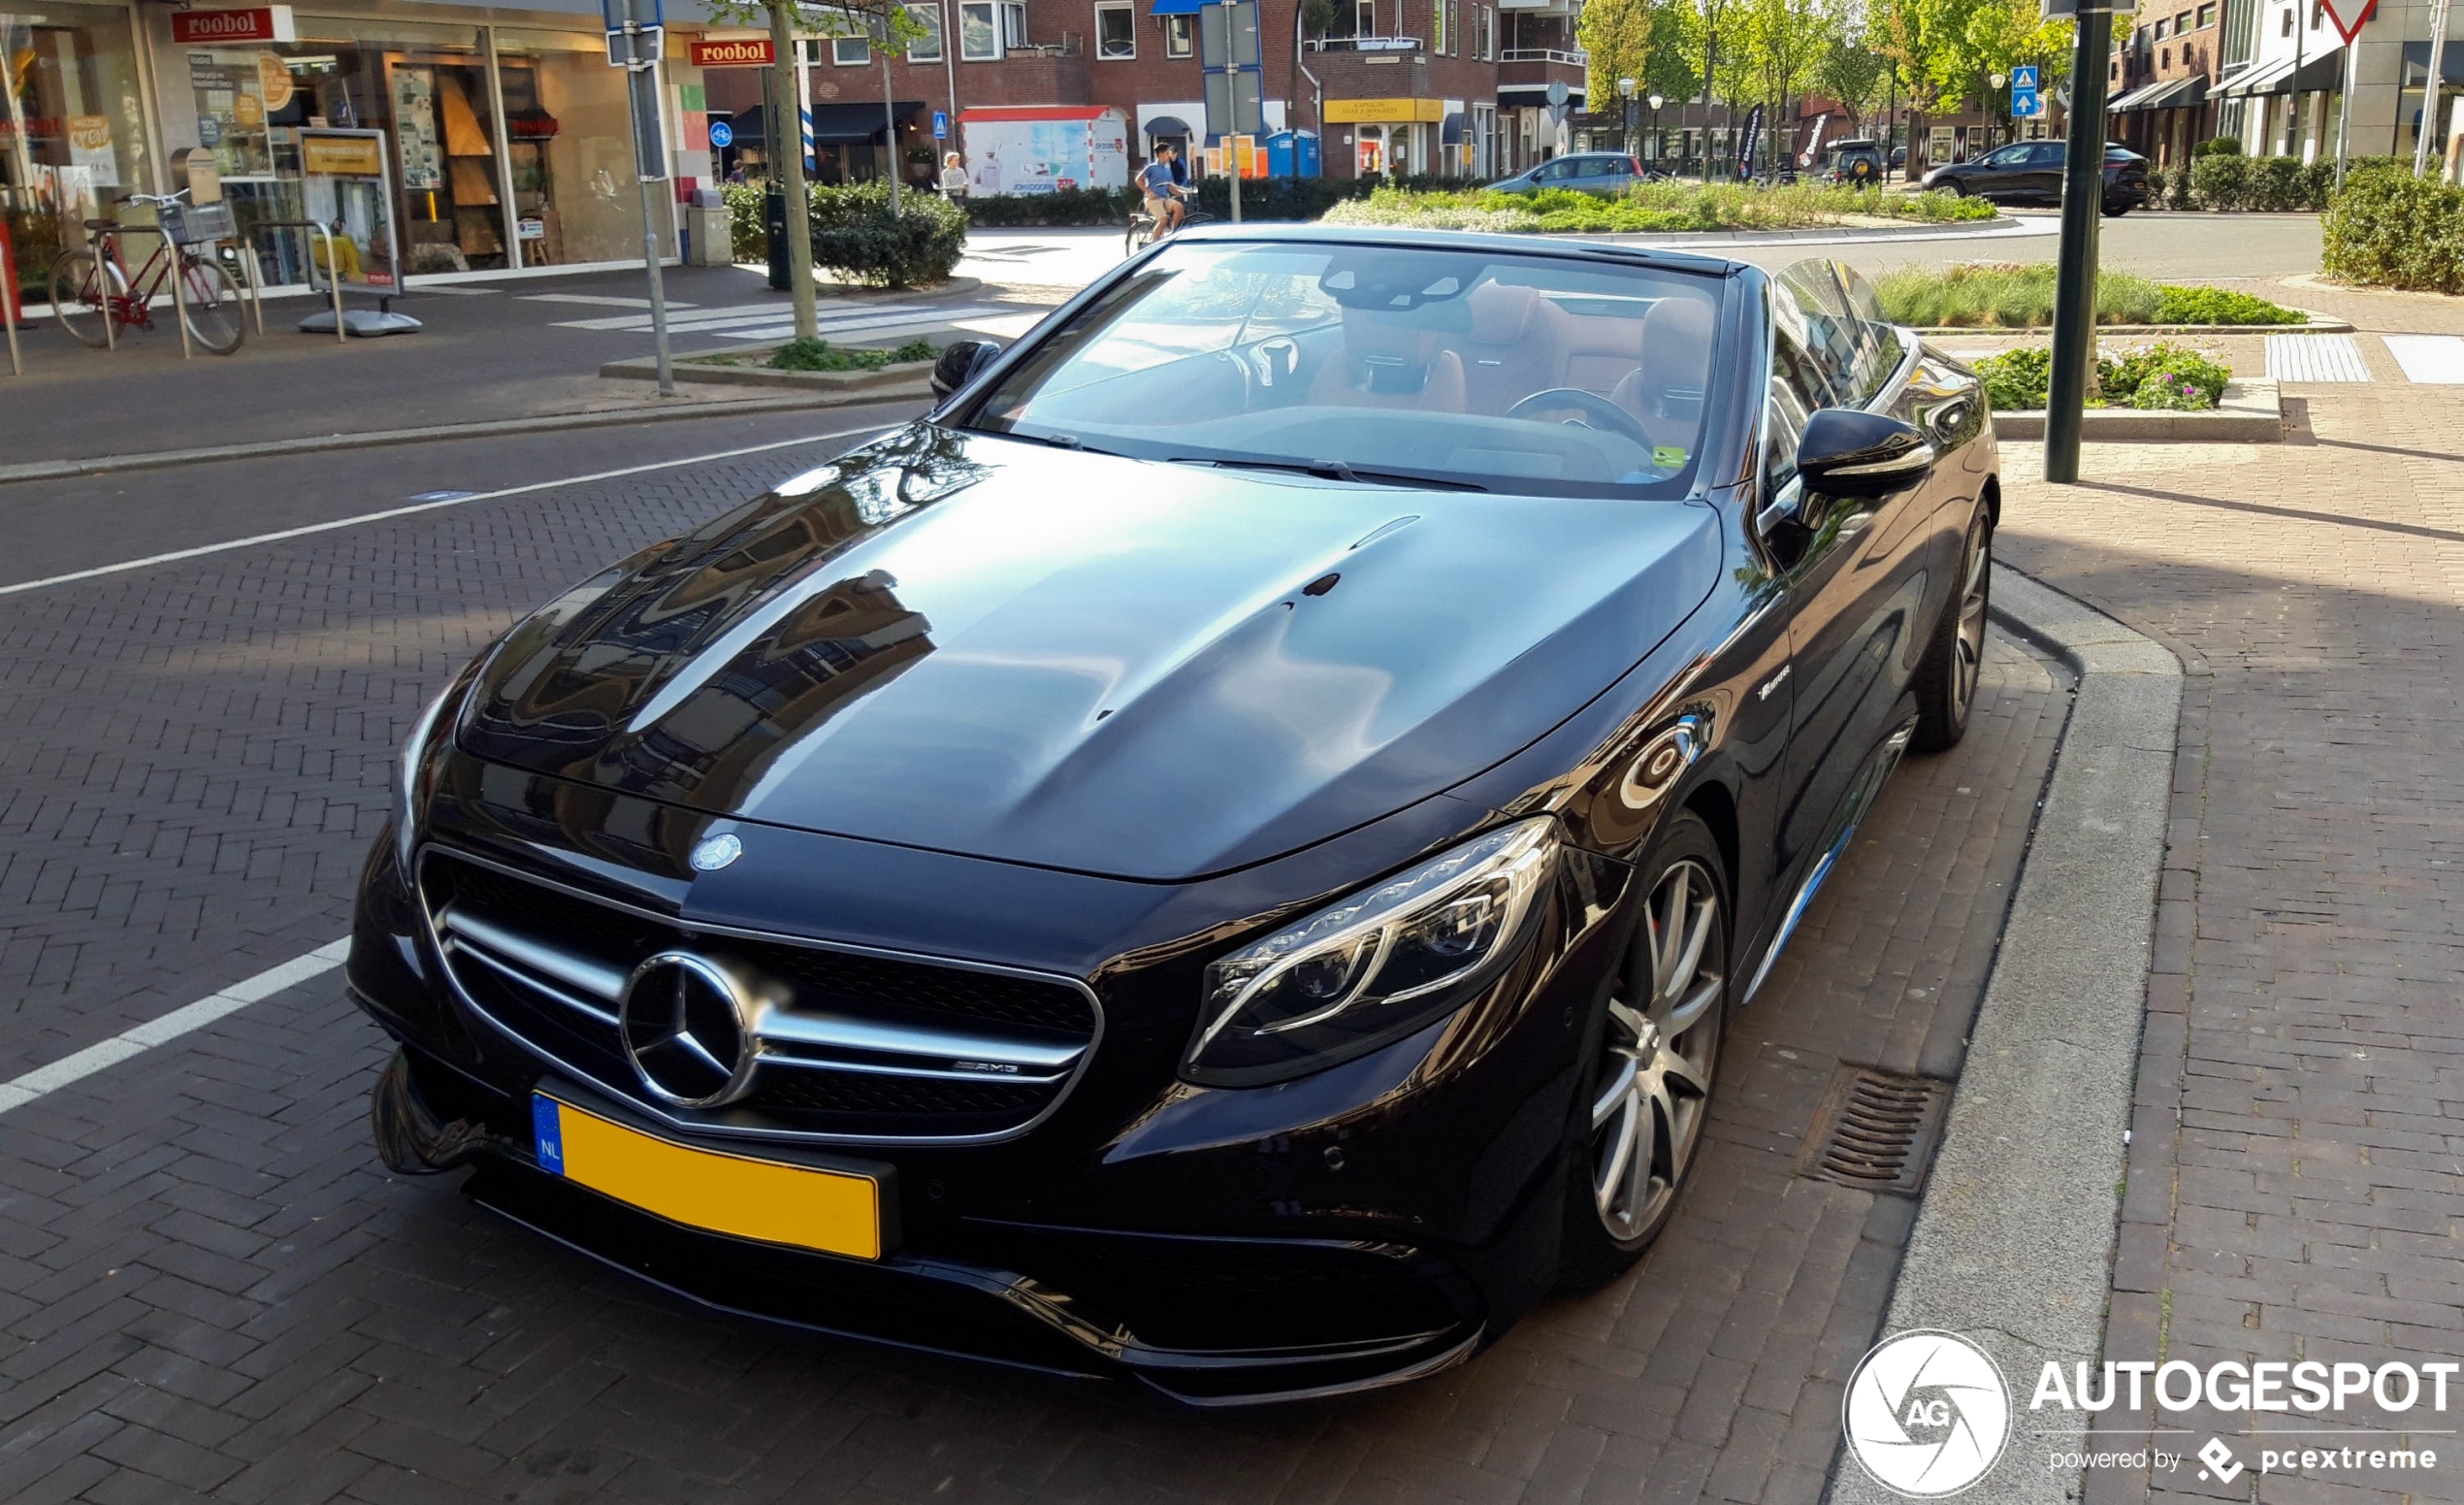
1875,1130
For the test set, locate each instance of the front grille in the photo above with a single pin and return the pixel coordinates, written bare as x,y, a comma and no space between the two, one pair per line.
847,1044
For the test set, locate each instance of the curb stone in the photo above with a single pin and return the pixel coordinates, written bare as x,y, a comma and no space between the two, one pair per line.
2014,1238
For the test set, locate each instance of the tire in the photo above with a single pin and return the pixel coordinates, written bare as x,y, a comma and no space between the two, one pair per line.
80,300
1652,1068
2116,210
1955,189
215,317
1946,681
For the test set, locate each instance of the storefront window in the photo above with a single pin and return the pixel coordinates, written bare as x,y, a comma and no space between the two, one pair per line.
574,185
72,135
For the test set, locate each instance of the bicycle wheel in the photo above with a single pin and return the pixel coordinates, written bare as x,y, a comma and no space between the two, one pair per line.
214,315
81,293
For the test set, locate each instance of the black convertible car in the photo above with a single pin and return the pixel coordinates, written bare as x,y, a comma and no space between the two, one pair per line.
1224,853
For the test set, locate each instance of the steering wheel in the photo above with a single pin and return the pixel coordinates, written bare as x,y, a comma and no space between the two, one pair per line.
1593,405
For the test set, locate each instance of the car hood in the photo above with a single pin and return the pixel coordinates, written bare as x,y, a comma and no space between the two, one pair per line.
985,646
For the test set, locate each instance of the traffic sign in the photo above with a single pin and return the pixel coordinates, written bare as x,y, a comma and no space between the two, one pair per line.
941,125
2027,104
627,15
722,133
2023,76
2368,9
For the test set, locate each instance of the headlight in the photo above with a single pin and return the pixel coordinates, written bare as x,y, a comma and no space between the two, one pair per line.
1373,967
408,790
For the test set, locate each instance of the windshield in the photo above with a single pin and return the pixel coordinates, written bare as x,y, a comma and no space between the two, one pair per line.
1471,369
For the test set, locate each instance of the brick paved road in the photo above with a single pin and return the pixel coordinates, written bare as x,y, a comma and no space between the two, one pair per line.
2293,1183
207,1287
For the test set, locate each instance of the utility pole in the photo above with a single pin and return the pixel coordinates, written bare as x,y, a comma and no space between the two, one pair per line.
2430,89
788,165
888,114
2083,192
2344,115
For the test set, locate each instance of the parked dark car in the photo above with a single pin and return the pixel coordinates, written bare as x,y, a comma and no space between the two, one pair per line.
1589,172
1223,854
2030,172
1855,163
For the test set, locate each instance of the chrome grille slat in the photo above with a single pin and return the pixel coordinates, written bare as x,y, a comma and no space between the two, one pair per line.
949,1060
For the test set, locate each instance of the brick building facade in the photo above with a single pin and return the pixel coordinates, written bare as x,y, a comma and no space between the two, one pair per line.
1447,87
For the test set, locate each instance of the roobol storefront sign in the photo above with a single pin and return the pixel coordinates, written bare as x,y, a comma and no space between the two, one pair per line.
264,24
731,53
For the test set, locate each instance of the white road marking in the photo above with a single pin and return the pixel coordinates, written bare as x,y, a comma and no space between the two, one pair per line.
186,1019
423,507
2435,360
639,323
602,300
2314,358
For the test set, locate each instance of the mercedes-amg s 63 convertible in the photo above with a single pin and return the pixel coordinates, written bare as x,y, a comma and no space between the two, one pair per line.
1224,852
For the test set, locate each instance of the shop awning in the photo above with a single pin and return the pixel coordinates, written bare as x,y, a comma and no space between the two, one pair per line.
844,124
2170,94
1451,131
2255,78
1177,7
2416,63
1169,125
748,125
2320,74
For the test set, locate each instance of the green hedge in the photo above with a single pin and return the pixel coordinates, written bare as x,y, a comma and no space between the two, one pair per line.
2393,230
2146,376
2228,181
856,236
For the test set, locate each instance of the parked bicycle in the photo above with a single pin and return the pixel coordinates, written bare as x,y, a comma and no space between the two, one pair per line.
93,285
1142,229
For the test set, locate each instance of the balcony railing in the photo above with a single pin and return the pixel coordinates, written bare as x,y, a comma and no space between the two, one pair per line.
1544,54
1365,43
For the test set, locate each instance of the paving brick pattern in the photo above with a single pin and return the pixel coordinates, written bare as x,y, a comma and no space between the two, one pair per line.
2293,1183
209,1289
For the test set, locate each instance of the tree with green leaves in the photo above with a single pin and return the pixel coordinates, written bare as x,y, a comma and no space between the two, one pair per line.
1846,69
1616,37
1780,39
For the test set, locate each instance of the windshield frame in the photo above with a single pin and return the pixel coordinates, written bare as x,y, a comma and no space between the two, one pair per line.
963,411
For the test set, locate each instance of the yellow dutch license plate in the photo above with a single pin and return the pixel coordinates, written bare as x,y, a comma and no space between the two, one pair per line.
836,1212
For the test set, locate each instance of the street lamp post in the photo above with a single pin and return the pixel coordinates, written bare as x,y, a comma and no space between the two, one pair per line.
2082,201
1997,78
1657,145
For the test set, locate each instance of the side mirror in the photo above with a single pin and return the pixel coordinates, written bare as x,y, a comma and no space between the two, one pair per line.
960,363
1849,453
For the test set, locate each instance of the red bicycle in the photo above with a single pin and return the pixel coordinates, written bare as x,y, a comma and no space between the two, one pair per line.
92,286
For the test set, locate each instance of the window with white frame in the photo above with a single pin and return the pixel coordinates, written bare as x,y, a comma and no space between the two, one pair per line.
851,52
979,34
926,49
1364,17
1013,23
1454,27
1437,26
1180,37
1115,31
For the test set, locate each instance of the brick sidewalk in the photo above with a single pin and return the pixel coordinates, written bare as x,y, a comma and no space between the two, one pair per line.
2293,1185
207,1287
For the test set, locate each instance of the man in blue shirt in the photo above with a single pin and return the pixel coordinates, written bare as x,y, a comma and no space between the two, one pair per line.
1164,195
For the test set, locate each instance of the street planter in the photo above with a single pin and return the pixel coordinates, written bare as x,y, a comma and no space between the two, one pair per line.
2250,413
702,368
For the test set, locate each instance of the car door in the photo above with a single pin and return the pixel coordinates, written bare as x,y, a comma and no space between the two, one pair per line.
2043,175
2001,175
1861,571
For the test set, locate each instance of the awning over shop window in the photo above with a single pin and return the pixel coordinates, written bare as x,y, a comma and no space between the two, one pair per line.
1169,125
846,124
2257,79
2171,94
749,127
1450,132
1177,7
2321,74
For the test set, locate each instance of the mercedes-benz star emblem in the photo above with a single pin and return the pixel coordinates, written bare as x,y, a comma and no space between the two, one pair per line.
684,1024
712,853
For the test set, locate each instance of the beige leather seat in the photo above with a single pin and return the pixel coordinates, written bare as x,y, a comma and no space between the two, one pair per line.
1513,348
1666,391
1390,361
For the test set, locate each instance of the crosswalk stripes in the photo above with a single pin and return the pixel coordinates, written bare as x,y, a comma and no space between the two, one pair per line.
2314,358
2433,360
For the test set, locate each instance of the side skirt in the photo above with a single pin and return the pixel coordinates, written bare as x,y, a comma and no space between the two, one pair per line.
1852,814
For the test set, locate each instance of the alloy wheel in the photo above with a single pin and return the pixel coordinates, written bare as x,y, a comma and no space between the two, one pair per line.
1976,584
1653,1093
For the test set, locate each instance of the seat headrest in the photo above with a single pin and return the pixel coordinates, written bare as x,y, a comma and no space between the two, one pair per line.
1501,313
1676,339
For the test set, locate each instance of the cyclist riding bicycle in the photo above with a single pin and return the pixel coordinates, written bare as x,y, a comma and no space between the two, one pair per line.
1164,195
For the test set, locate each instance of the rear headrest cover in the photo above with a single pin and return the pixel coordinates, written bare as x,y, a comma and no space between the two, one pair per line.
1502,314
1676,341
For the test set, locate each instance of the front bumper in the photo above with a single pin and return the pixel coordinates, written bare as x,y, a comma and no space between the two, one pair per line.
1367,1225
1206,1320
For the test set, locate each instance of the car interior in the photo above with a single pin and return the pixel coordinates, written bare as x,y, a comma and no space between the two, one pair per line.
1485,368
